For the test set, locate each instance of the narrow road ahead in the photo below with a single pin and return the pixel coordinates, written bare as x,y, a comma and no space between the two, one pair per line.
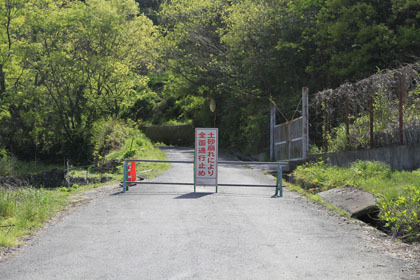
168,232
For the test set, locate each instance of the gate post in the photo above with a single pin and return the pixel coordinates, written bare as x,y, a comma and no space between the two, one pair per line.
305,125
272,126
125,177
400,109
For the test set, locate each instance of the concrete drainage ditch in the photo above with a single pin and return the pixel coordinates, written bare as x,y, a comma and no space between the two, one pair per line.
49,179
358,203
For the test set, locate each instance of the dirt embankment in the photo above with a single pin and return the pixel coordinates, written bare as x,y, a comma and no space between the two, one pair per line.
48,179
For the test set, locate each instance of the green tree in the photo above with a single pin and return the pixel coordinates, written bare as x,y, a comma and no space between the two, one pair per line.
150,8
239,53
350,40
80,62
193,50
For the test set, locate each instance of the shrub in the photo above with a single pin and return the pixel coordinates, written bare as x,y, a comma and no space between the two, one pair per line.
401,214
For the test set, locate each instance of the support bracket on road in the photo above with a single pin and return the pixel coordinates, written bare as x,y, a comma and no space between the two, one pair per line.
279,186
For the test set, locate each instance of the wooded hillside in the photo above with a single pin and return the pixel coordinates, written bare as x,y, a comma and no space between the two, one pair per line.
66,66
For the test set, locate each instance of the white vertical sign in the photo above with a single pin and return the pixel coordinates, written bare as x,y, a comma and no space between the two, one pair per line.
206,156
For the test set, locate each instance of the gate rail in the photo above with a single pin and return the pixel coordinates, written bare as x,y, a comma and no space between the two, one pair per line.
278,187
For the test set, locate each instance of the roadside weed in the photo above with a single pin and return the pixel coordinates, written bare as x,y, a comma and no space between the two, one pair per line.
25,209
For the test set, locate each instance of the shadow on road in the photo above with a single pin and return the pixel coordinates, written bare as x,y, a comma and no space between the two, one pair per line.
193,195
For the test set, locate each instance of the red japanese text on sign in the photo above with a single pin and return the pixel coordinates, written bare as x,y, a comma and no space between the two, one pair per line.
205,172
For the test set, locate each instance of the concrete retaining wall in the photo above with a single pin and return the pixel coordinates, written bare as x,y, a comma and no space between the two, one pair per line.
399,157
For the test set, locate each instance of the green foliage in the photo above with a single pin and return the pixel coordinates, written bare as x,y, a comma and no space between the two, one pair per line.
401,214
25,209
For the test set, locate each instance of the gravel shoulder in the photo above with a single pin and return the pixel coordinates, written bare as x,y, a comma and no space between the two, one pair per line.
169,232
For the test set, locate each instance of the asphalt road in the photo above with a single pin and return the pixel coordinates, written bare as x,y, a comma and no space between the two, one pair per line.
168,232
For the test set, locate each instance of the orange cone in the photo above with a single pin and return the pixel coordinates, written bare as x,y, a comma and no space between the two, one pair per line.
132,172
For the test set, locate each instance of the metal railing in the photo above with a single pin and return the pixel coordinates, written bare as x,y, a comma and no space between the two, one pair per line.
278,187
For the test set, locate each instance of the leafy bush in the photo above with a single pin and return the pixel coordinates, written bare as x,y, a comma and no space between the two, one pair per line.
401,214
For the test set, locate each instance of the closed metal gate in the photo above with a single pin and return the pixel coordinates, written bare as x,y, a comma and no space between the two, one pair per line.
278,186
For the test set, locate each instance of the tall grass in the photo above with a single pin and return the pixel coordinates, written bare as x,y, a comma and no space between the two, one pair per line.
140,147
372,176
117,140
25,209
